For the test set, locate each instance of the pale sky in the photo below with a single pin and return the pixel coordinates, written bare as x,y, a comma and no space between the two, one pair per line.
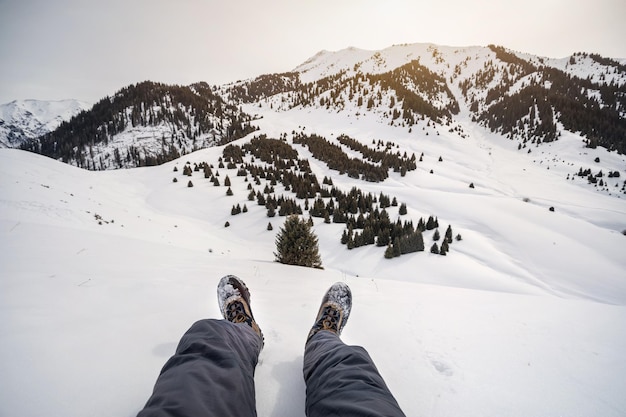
87,49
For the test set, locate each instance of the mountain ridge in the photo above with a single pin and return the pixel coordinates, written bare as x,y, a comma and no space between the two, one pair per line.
111,267
525,98
22,120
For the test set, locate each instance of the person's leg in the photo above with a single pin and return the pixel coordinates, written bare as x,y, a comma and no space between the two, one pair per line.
342,380
212,371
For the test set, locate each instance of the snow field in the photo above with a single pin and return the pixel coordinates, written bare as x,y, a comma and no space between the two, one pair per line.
525,316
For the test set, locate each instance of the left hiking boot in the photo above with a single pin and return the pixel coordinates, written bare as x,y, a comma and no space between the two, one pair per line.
334,310
234,300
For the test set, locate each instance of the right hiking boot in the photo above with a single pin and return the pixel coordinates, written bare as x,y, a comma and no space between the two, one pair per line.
234,300
334,310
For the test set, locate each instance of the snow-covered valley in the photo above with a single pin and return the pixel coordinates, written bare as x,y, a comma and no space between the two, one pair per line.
102,272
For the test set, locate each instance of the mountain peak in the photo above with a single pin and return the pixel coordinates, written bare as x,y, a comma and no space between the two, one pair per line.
22,120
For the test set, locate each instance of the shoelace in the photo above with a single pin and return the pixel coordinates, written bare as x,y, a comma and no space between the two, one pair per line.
330,319
236,312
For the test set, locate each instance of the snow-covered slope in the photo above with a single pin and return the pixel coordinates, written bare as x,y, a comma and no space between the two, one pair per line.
529,99
326,63
102,272
450,61
21,120
144,124
585,66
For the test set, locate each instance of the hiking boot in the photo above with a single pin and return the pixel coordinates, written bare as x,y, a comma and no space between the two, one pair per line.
334,310
234,300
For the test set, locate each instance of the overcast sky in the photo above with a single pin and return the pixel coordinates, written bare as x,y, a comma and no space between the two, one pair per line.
87,49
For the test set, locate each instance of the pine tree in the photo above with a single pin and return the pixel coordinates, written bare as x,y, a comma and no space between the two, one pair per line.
389,252
444,248
296,244
344,237
397,248
448,238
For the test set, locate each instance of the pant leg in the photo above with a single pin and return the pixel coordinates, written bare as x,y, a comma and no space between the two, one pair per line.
211,373
343,381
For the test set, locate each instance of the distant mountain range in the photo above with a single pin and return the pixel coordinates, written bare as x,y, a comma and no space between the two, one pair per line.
23,120
525,98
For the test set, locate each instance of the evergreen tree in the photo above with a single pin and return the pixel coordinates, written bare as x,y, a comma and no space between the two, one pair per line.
344,237
444,248
397,248
296,244
260,198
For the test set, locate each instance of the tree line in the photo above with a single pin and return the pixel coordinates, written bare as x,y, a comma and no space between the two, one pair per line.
365,215
188,111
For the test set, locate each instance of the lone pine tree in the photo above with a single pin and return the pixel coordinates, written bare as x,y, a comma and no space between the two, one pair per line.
296,244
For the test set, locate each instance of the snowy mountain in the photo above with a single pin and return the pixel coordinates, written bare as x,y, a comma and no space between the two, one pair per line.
524,98
102,272
23,120
144,124
528,99
110,268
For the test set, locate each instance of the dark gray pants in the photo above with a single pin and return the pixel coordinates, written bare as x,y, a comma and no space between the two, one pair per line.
343,381
212,374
